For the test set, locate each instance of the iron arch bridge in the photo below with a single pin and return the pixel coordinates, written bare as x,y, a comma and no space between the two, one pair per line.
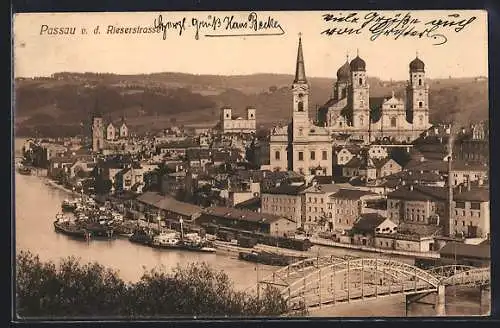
329,280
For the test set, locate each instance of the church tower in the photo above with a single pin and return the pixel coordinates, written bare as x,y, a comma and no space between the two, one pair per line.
97,132
300,90
417,95
360,94
300,117
341,86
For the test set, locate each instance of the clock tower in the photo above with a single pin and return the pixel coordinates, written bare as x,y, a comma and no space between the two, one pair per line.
300,89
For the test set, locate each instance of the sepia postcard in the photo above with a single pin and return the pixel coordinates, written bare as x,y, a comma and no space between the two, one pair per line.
251,164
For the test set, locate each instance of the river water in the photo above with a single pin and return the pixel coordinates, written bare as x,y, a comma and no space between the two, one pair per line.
37,203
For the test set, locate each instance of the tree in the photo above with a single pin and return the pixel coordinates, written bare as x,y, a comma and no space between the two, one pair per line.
75,290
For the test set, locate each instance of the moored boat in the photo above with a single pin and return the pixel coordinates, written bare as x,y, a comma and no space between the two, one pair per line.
166,240
203,246
99,229
67,227
266,258
69,205
141,236
24,170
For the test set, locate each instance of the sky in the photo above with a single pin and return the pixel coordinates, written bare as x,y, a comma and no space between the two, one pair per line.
38,53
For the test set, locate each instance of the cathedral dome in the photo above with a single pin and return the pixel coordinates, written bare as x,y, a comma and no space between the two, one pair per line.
416,65
344,72
358,64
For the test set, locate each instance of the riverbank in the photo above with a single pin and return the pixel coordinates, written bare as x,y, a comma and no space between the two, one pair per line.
54,184
369,251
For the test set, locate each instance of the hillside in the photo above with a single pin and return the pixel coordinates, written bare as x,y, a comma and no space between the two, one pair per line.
65,101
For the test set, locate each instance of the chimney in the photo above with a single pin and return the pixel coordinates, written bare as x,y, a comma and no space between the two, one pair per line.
411,187
468,185
450,185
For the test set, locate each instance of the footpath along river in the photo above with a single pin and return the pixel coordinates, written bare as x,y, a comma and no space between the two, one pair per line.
37,203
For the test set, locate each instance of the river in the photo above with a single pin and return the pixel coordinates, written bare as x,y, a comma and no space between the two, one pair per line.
38,202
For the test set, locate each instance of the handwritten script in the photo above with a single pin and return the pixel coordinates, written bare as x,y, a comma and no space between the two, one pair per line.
396,26
220,26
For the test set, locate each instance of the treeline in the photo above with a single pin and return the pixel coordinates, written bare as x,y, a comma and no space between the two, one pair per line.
75,290
72,101
137,96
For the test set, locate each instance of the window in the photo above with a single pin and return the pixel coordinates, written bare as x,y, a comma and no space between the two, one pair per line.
301,156
393,122
325,155
313,155
277,155
419,81
463,223
360,81
300,106
420,104
460,205
475,206
301,131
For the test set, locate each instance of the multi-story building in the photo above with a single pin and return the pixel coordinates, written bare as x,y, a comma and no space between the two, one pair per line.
465,172
470,216
109,133
236,124
286,201
418,204
314,209
345,206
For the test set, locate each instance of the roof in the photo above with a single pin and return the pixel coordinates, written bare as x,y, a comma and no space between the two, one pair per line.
357,64
254,202
168,203
481,251
352,194
422,230
475,194
286,189
419,193
243,215
323,179
416,65
368,222
414,175
323,188
344,72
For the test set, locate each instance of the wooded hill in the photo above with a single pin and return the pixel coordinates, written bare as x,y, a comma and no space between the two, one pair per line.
156,101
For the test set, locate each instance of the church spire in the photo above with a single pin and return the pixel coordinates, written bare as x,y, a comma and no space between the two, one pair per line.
300,71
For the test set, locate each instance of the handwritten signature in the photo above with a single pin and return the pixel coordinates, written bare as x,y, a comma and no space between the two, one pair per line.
225,26
396,26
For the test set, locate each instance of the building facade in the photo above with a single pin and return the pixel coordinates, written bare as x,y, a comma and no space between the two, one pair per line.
352,113
301,146
237,124
285,201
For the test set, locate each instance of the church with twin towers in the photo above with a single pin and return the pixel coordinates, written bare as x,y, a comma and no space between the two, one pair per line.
350,115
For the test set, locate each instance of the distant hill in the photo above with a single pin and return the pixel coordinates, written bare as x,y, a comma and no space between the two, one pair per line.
155,101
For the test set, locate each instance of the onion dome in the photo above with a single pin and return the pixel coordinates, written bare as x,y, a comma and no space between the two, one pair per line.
358,64
344,72
416,65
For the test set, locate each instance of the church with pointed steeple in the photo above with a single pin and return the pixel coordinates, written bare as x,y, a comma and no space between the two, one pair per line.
352,115
301,146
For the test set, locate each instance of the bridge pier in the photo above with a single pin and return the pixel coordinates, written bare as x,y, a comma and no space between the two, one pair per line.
485,300
440,304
